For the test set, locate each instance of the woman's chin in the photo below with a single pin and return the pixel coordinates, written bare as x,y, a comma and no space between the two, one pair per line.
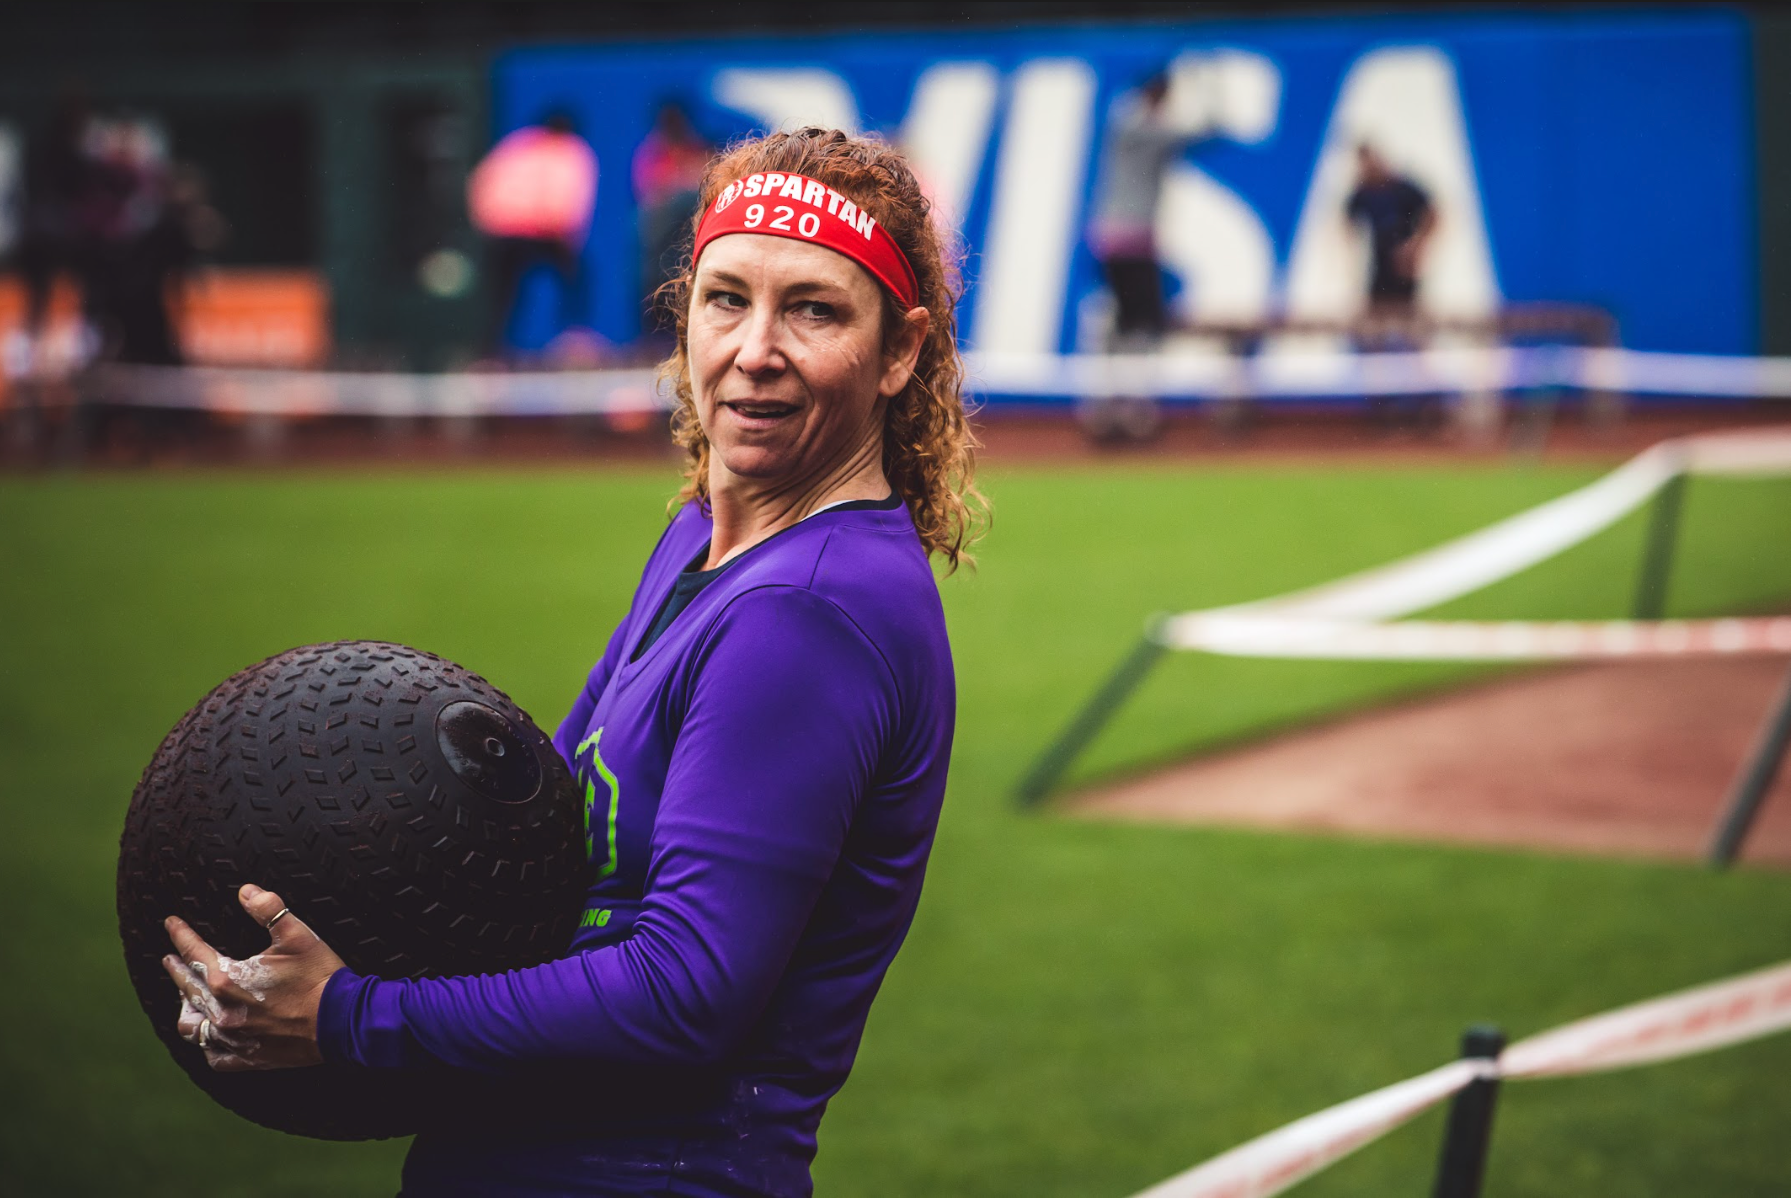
761,461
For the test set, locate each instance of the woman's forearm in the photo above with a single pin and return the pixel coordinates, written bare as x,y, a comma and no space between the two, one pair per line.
786,724
680,990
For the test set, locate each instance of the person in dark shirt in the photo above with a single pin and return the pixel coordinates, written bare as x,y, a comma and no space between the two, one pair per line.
59,183
762,748
1399,219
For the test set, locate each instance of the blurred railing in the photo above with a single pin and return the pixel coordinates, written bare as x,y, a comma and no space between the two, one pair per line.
1575,324
1515,367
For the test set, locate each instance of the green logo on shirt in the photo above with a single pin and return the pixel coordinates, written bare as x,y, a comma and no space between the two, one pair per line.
615,797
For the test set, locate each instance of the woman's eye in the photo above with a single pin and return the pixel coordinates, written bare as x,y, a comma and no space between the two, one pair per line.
816,310
727,299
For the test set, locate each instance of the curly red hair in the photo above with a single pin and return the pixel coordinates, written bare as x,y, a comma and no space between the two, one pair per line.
929,450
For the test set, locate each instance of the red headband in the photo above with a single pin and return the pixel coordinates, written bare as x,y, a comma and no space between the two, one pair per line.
800,208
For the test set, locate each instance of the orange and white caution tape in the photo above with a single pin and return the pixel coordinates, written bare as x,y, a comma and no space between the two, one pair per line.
1692,1021
1269,1164
1359,616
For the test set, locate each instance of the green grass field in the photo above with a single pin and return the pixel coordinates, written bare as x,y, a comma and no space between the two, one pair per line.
1081,1009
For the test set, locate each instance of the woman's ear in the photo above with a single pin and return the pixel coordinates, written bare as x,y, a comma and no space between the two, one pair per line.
903,351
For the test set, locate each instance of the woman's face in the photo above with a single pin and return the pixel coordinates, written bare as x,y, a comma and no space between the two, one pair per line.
787,357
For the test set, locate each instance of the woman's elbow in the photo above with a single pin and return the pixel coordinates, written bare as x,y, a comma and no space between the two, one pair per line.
703,1040
689,1008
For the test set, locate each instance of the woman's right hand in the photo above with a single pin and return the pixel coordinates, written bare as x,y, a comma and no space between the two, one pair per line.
255,1014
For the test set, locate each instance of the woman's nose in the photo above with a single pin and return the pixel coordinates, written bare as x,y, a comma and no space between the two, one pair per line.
760,349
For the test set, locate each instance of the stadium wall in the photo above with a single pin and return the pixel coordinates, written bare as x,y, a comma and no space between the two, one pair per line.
1601,157
1635,159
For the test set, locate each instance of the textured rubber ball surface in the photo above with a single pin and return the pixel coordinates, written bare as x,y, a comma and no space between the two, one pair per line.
401,805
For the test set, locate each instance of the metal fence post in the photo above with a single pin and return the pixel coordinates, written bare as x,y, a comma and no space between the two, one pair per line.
1755,779
1092,718
1657,555
1462,1164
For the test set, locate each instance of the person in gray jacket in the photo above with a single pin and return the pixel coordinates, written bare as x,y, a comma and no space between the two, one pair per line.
1141,143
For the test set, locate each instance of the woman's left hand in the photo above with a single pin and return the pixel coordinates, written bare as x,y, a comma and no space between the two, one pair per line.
254,1014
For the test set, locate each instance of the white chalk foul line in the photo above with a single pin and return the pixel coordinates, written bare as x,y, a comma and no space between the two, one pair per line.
1692,1021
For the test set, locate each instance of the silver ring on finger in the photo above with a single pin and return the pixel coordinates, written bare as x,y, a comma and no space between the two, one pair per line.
278,916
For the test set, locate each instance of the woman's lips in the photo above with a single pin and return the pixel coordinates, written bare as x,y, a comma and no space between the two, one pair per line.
759,413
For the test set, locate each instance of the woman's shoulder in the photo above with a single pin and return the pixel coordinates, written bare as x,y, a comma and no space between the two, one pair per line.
858,557
869,564
873,557
865,563
837,580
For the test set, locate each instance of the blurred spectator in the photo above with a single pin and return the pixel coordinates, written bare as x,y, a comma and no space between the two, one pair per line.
1140,144
103,206
668,175
1399,219
534,195
138,251
60,186
154,268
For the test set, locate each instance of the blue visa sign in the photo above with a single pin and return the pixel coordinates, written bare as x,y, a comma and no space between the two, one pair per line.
1597,157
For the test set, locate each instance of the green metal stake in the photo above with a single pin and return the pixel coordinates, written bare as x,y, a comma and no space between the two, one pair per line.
1462,1165
1657,557
1093,717
1754,781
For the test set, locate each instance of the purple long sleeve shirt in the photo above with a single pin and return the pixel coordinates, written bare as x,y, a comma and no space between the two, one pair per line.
763,781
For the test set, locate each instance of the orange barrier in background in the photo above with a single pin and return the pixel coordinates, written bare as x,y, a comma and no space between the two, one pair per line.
256,318
234,316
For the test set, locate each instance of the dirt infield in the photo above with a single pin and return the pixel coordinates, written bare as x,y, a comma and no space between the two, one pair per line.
1625,759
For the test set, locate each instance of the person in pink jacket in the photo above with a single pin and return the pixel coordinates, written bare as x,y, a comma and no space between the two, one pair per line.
534,195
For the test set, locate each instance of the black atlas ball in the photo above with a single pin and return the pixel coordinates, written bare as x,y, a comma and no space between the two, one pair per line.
401,805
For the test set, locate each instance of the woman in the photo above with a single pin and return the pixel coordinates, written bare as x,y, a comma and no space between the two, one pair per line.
763,746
